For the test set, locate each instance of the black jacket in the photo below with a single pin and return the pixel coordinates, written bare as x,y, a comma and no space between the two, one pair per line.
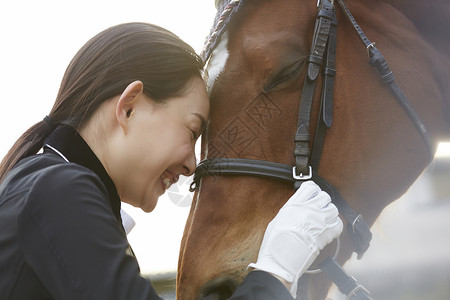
61,235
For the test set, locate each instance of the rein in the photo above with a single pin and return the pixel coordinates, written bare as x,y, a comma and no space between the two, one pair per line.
322,54
376,59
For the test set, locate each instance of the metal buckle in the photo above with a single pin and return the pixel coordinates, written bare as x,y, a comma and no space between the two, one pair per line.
370,46
301,176
356,289
358,218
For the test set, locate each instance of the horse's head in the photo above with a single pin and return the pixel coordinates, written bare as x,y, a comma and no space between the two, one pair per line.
256,74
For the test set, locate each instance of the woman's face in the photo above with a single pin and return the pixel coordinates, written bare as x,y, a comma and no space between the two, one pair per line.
160,142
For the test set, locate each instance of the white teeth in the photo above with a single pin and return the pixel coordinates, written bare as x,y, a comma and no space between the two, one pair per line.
167,182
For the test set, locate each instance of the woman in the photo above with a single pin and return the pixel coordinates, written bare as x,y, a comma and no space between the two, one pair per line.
130,108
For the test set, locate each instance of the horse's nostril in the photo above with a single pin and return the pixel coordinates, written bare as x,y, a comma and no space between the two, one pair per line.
218,289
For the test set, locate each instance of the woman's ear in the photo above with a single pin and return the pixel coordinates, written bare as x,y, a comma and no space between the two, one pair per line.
127,101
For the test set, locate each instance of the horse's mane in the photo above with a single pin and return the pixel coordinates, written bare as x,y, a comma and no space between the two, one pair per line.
226,9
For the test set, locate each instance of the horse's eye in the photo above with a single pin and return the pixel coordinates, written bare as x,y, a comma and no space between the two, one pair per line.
285,76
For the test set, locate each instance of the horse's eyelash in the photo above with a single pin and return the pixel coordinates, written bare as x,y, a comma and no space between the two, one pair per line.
285,75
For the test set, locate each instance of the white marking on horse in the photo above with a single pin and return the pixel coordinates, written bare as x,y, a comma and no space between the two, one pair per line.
217,62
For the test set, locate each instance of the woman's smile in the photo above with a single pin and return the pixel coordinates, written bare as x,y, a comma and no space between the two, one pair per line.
167,179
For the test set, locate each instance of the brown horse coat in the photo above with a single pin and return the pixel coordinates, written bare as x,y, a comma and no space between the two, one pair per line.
372,152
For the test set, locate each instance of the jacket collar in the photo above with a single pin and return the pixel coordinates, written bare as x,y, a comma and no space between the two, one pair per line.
68,142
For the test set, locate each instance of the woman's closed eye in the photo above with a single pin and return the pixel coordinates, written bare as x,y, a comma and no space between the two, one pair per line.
196,125
195,135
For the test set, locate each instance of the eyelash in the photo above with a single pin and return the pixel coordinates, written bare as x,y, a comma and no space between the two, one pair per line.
285,75
194,135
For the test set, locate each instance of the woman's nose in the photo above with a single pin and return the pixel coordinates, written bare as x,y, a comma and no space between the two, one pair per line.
189,165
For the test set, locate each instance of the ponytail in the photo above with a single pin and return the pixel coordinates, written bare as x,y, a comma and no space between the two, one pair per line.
28,144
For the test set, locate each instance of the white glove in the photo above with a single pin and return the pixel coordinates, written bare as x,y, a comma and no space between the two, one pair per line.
305,224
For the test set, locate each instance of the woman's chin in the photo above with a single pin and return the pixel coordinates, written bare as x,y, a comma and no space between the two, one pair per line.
148,209
149,204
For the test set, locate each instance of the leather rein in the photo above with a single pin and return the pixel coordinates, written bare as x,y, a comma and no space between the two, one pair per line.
322,56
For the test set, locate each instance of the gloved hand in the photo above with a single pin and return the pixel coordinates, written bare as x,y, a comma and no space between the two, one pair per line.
305,224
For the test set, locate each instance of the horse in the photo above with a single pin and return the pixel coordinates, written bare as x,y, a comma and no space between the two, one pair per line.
258,55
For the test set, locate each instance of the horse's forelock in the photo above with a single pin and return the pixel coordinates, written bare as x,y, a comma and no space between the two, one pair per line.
226,10
219,3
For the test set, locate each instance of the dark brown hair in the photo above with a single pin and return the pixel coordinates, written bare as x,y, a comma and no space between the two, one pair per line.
103,68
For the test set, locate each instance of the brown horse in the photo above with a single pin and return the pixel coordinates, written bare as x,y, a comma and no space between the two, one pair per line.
372,152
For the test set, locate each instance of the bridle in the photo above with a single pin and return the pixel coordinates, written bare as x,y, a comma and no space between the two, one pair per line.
322,56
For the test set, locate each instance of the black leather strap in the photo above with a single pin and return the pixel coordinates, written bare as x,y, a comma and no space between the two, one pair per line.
377,60
359,230
244,167
315,61
345,283
326,103
357,227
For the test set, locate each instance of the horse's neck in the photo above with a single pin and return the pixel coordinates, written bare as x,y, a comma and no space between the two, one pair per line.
431,19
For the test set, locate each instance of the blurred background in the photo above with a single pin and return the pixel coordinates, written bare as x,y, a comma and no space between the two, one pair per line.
409,257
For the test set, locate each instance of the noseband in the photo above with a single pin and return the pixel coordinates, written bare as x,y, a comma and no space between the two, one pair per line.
322,56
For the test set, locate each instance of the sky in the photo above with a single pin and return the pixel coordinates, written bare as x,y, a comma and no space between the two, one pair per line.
38,40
